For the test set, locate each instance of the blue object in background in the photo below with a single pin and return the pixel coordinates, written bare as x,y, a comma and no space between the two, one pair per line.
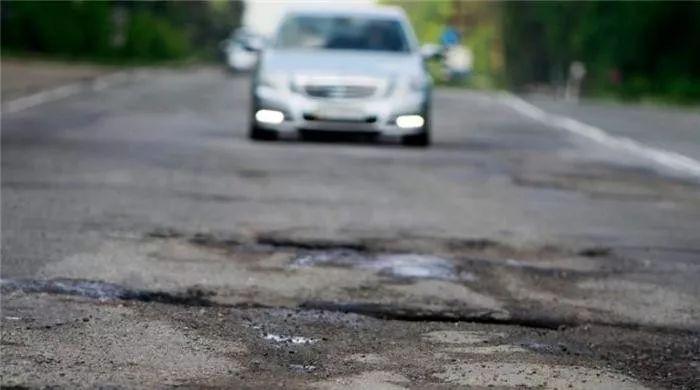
449,37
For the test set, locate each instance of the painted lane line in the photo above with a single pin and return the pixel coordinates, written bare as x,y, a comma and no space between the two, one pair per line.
64,91
42,97
666,158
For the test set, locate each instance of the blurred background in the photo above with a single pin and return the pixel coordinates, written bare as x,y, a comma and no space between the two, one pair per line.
628,50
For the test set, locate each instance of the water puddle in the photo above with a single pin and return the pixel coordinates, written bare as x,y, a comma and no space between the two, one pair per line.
85,288
333,257
104,291
399,265
289,339
302,368
417,266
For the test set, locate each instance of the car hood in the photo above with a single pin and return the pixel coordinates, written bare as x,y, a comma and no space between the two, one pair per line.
341,63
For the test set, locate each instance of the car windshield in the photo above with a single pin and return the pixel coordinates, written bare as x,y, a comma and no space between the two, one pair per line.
343,33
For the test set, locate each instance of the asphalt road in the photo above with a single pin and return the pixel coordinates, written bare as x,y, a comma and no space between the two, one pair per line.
511,252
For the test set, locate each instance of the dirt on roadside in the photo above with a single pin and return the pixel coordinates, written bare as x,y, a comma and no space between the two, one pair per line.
22,77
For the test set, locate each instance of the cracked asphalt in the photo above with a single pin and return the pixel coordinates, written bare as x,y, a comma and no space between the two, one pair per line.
146,242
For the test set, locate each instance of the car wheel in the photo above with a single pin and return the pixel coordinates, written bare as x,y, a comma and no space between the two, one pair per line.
259,134
421,139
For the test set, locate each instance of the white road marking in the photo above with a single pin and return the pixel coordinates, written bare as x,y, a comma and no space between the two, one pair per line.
666,158
64,91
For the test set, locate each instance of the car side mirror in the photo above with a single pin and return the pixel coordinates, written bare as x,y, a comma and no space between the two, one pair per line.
430,51
254,45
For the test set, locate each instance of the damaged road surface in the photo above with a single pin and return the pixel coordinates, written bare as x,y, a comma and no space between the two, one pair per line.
77,342
147,243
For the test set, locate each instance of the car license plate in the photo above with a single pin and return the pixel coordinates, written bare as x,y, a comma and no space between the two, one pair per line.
340,112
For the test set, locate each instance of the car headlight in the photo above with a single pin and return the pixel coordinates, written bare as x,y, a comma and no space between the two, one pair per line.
274,80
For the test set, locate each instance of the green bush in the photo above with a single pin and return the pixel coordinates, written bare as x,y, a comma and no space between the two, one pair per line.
68,28
652,46
153,39
133,31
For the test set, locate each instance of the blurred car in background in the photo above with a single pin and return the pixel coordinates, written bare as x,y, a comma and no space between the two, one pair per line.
241,50
358,70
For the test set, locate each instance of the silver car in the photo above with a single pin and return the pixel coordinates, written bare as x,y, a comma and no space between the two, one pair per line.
358,71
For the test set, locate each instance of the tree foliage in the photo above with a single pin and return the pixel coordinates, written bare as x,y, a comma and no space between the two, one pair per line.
118,30
633,49
630,49
480,27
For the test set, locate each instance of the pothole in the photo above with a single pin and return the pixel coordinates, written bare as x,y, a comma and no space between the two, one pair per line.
397,265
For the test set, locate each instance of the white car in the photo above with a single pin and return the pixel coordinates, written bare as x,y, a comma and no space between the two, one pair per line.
358,70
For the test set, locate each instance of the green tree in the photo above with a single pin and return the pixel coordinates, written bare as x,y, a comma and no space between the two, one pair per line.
631,49
151,30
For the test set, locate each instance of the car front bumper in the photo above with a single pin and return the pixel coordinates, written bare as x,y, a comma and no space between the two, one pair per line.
372,116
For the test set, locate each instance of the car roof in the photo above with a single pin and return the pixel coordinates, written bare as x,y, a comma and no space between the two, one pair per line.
358,10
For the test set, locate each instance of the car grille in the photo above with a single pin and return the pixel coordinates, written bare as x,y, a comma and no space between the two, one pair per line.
340,91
